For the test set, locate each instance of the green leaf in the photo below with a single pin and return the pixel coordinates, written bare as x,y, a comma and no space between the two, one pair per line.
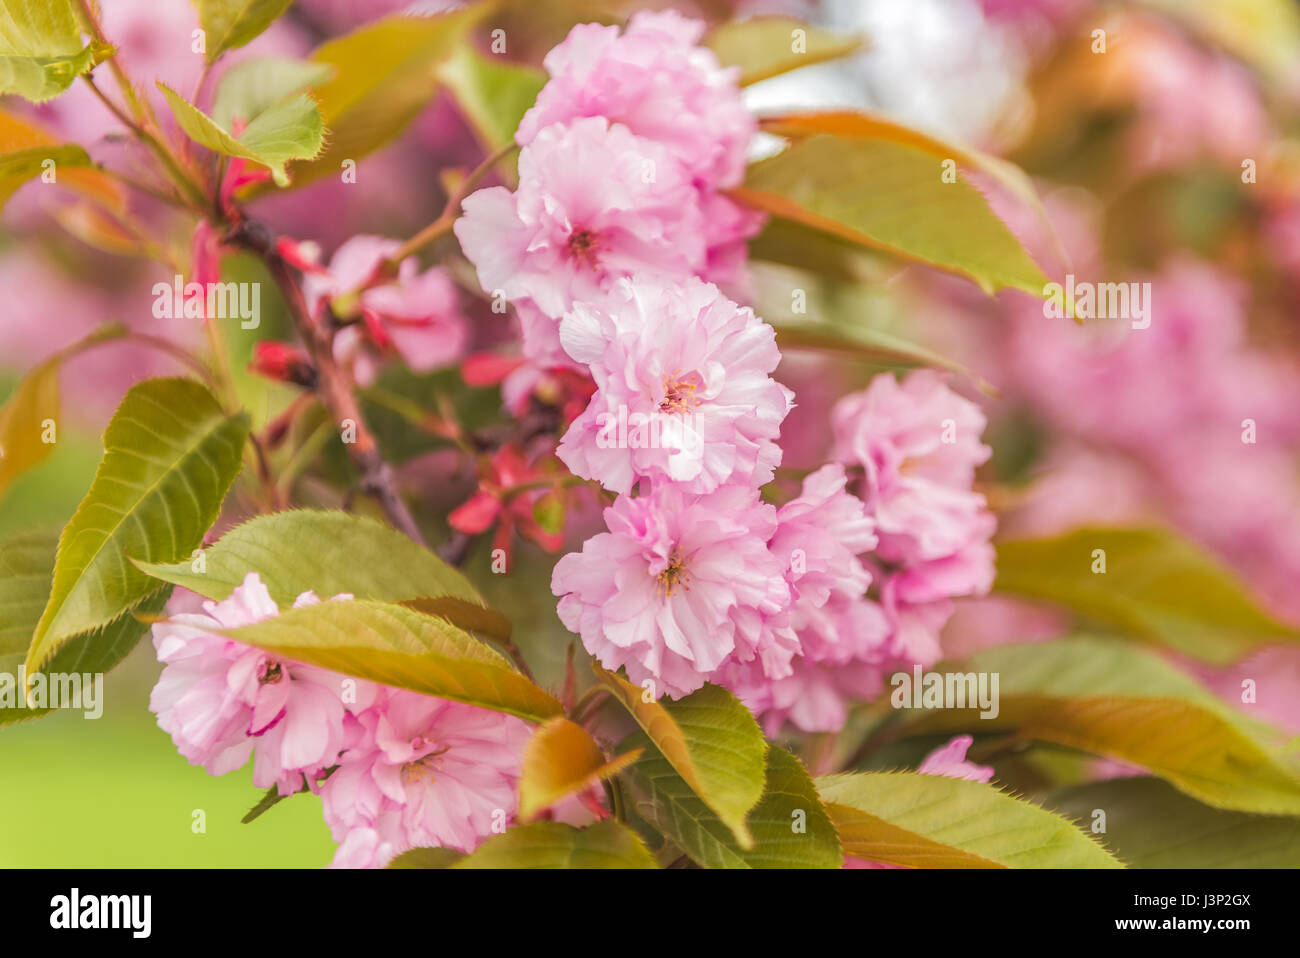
862,124
1109,698
1151,825
767,46
607,844
494,94
427,858
289,130
330,553
709,738
931,821
171,454
41,52
1156,586
394,645
870,345
790,827
232,23
561,760
34,401
908,211
385,74
21,141
19,167
251,87
26,569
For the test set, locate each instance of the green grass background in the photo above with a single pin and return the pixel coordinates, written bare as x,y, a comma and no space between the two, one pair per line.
114,792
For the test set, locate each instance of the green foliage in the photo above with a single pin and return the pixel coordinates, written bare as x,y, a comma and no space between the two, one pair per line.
709,739
22,165
427,858
232,23
1156,586
26,569
867,344
562,760
290,129
35,401
251,87
23,147
1114,700
889,195
41,52
543,845
494,94
171,454
385,74
331,553
764,47
397,646
931,821
1151,825
789,826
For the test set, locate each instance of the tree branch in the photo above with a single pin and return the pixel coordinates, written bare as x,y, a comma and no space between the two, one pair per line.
333,387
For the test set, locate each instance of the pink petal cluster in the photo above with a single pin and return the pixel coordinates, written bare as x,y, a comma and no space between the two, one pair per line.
395,770
684,391
679,586
606,248
623,158
594,203
918,445
918,537
656,80
422,772
418,313
820,536
222,701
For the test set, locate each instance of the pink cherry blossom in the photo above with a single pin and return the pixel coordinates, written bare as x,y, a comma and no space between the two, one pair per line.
819,536
418,313
422,772
678,586
594,203
222,701
918,443
843,636
816,694
683,388
655,79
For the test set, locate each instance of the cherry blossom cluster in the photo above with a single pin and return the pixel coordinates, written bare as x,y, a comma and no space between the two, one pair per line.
918,536
613,249
622,162
394,769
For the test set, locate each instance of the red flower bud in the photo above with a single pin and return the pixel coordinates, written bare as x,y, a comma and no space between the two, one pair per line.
284,363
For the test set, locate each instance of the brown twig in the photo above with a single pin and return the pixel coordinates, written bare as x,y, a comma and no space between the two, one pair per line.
333,387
